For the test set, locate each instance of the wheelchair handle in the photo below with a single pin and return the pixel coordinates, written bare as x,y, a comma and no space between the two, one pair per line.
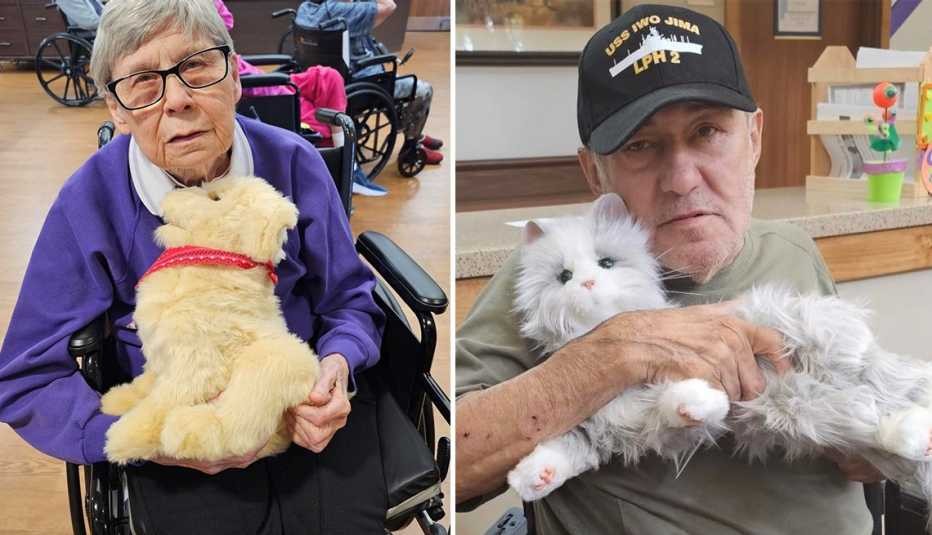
105,134
406,57
283,12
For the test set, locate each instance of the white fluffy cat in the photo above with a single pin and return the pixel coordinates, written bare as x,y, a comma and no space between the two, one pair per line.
843,391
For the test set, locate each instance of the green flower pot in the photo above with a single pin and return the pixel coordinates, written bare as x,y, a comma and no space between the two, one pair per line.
885,180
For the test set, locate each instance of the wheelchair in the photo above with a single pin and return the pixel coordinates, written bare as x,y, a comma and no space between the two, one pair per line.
370,98
62,64
414,460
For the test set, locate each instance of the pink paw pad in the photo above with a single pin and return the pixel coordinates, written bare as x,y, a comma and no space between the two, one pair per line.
545,477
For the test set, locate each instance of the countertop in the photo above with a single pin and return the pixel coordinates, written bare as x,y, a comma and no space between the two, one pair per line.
484,240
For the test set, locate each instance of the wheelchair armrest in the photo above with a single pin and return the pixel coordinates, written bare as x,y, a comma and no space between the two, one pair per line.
375,60
339,119
269,59
265,80
415,287
88,344
88,339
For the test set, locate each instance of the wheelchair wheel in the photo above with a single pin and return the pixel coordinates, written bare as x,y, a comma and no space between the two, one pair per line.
412,162
62,64
373,113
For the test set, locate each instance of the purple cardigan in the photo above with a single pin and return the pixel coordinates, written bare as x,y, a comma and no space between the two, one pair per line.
97,241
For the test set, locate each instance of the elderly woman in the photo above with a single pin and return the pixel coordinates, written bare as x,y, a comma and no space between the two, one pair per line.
171,87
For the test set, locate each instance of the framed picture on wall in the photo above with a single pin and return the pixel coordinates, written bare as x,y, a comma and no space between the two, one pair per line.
527,32
797,19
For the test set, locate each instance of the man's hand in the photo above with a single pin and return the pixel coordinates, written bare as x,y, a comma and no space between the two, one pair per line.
855,467
211,467
705,342
313,423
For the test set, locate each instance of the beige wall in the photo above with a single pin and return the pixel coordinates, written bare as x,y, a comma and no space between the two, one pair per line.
916,32
523,112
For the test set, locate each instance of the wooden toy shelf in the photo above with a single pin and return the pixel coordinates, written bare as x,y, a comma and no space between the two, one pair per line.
836,66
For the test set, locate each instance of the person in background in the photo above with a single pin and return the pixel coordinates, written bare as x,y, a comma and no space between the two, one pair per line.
84,14
361,18
319,86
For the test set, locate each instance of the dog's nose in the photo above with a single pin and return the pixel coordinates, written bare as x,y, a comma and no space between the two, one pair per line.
588,284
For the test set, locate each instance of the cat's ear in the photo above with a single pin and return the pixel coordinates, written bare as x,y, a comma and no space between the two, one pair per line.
609,207
532,231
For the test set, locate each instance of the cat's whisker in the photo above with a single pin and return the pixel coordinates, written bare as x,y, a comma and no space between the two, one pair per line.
681,463
661,255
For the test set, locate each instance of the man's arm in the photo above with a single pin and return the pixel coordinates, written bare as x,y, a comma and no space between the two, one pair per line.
499,426
384,9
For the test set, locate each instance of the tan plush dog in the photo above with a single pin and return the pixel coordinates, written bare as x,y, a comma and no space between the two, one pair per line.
213,329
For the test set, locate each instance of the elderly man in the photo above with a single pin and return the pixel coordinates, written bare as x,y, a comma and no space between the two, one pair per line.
668,123
168,68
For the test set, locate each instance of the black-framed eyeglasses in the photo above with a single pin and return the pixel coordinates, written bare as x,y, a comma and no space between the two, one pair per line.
197,71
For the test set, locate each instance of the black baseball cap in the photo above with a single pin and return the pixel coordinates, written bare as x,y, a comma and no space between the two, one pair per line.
647,58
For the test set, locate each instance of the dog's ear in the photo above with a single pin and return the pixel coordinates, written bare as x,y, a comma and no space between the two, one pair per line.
169,235
181,206
282,216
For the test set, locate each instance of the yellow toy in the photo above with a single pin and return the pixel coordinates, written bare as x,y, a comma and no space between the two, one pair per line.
221,366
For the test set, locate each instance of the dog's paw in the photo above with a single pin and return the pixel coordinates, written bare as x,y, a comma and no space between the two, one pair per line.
119,400
692,402
131,439
540,473
908,434
193,433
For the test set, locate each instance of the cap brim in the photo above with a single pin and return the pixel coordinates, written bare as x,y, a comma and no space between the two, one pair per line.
615,130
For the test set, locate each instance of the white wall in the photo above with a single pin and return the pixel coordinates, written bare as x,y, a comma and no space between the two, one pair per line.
515,112
524,112
914,34
902,306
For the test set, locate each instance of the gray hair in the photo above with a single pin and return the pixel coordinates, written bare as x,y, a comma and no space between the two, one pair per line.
128,24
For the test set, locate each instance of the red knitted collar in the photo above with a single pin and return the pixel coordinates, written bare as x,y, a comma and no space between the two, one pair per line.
191,255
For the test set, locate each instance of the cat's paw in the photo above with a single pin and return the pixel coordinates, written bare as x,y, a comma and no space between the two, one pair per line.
692,402
907,434
539,474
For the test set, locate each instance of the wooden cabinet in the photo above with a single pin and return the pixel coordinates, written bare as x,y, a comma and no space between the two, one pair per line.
24,24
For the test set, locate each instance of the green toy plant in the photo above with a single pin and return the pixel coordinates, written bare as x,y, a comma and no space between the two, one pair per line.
885,178
883,135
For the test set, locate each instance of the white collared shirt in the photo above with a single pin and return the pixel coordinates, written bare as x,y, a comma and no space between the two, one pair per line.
152,183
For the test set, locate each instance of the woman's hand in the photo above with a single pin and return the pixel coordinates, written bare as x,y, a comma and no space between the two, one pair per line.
212,467
313,423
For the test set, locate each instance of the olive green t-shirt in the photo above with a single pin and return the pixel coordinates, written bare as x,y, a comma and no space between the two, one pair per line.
717,493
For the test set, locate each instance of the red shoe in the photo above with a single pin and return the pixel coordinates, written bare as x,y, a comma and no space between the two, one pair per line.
433,157
431,142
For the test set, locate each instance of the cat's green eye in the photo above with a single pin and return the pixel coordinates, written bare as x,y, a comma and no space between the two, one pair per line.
607,262
565,276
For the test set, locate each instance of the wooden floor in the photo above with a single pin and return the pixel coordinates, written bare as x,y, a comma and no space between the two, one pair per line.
42,143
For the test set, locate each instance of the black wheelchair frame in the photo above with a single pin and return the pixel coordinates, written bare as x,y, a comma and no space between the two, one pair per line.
370,99
415,462
66,55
